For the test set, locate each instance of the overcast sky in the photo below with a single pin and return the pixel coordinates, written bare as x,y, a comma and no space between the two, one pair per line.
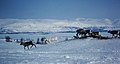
59,9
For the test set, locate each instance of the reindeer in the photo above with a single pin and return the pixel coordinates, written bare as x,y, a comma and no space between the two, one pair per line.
44,40
8,39
82,32
78,32
119,34
114,33
27,44
95,34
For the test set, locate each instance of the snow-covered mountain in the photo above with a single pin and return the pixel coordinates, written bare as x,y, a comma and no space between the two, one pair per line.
54,25
116,23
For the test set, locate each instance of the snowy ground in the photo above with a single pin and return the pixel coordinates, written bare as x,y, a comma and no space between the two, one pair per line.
80,51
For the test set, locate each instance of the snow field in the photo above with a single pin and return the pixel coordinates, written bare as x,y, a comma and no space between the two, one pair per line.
79,51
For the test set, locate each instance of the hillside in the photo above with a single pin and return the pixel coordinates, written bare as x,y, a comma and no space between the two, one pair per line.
54,25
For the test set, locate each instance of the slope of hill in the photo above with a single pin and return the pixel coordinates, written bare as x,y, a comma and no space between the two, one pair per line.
53,25
116,23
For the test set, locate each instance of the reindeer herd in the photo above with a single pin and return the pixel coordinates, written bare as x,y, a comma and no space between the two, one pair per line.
82,33
30,43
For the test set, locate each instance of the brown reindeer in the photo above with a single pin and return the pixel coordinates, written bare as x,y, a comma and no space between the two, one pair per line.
27,44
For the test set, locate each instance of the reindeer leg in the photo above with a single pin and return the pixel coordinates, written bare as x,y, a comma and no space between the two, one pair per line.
24,47
28,47
113,35
34,45
31,46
